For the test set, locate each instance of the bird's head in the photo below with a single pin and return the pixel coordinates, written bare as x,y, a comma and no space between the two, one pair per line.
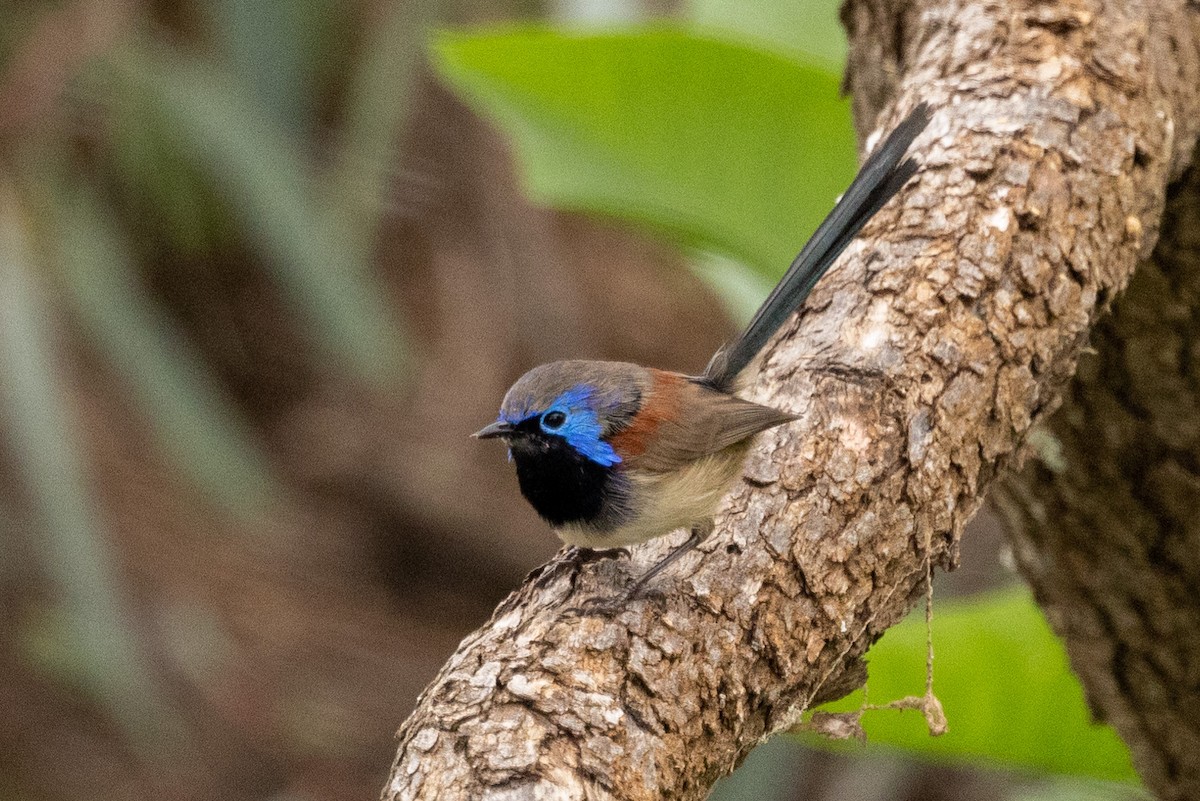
569,408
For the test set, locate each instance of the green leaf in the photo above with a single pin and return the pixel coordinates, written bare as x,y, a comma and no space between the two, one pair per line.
721,145
740,289
807,28
260,172
1004,682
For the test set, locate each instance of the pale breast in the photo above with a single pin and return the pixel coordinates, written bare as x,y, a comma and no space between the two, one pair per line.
666,501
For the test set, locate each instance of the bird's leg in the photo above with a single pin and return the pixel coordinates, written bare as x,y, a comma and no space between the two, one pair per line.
582,556
699,533
612,604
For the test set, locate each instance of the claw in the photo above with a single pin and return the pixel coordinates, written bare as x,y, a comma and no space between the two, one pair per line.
583,556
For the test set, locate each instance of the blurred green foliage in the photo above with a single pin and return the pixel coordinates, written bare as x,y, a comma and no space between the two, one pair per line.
740,150
807,29
725,133
1006,687
211,148
211,141
94,635
271,189
723,146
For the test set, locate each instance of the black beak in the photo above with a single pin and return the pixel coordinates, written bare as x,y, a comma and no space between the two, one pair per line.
496,429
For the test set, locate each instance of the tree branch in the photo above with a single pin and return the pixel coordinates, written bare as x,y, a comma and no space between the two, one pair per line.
918,368
1104,525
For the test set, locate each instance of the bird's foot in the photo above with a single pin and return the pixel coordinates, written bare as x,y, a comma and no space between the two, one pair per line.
697,536
597,606
610,605
576,557
582,556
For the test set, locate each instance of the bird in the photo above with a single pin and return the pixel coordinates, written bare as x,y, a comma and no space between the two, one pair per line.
613,454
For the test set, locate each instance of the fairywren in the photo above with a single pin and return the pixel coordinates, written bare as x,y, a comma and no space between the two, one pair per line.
613,454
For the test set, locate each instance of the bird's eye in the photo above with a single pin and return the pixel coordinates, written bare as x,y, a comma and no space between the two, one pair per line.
552,421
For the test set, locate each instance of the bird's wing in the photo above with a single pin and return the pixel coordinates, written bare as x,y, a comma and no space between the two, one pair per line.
681,421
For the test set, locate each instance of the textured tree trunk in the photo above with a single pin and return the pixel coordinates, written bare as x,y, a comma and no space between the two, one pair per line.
1105,520
919,367
1106,524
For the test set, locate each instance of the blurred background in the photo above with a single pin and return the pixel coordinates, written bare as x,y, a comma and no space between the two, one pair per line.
263,269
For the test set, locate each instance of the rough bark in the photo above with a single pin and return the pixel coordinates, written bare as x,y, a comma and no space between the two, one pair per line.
918,369
1105,525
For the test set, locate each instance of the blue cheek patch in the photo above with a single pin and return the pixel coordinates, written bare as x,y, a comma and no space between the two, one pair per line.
582,430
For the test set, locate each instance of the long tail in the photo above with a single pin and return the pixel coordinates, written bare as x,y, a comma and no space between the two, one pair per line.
881,176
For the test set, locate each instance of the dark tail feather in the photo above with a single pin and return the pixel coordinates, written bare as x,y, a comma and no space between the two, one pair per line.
881,176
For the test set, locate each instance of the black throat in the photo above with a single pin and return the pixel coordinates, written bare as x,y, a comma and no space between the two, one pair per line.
564,486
